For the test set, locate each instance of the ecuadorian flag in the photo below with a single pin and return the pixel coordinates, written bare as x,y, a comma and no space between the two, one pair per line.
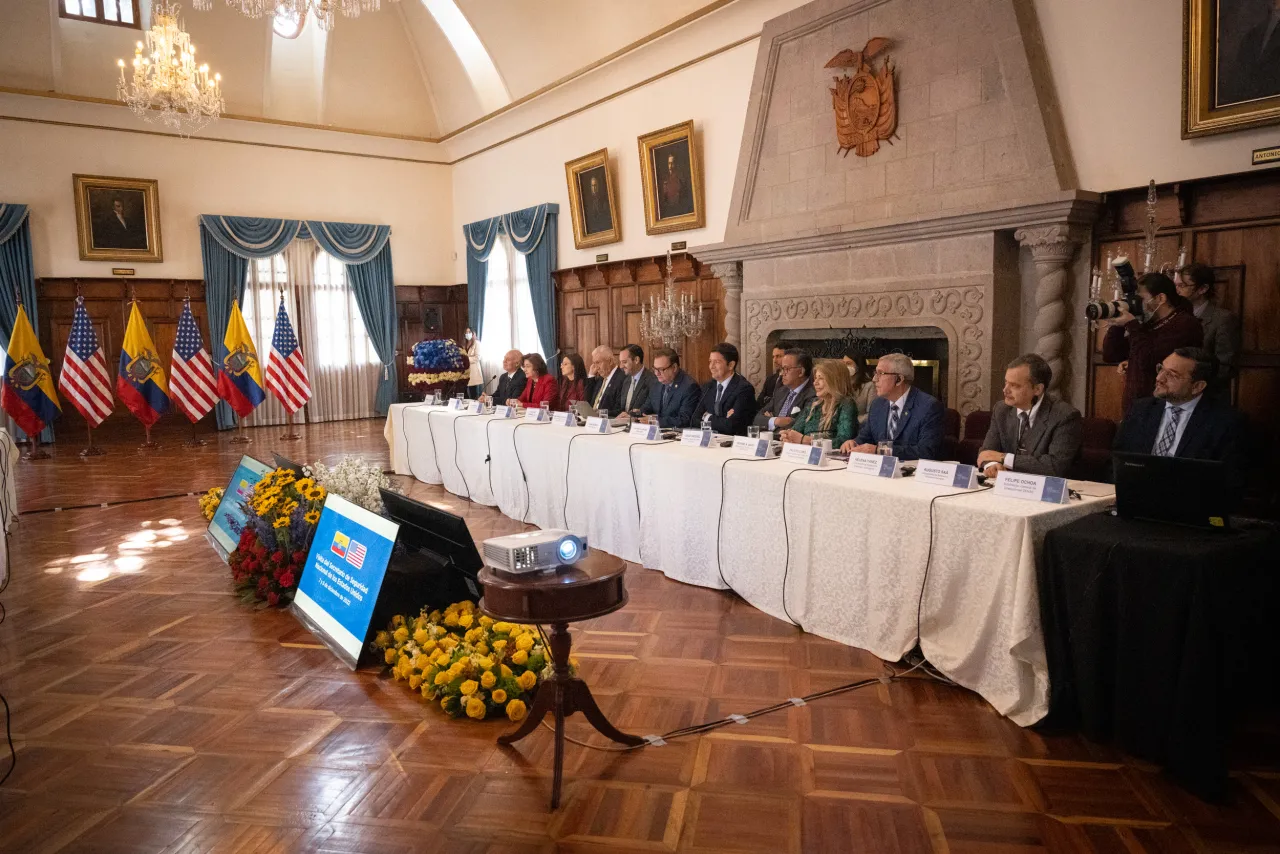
240,380
28,394
140,381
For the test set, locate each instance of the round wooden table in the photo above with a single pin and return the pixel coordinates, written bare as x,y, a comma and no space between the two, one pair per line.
590,588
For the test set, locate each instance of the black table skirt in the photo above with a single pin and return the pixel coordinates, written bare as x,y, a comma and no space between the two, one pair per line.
1155,637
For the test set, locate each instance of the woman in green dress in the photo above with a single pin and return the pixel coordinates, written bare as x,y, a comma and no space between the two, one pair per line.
832,412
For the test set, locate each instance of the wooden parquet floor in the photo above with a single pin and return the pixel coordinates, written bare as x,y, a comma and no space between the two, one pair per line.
153,712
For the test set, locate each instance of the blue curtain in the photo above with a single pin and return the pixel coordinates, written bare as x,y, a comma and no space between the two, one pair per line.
533,233
373,284
350,243
224,280
480,237
17,277
250,236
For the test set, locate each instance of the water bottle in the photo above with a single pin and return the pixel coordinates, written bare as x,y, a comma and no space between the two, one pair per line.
706,429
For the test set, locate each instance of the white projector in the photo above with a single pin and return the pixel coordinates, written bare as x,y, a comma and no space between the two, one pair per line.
534,551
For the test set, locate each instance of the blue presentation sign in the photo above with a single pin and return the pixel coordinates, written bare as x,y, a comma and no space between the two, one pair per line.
228,520
340,582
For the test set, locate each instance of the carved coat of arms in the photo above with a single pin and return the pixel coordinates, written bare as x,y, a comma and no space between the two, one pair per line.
865,107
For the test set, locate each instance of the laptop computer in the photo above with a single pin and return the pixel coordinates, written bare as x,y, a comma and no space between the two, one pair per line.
1175,490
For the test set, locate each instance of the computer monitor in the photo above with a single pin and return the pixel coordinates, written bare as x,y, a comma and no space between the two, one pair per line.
283,462
1176,490
431,529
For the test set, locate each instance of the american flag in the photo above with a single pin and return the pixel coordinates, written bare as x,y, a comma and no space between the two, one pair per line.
84,370
191,385
355,554
286,370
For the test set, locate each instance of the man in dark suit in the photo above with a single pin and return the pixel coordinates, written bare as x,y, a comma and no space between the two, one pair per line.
1030,432
675,396
637,381
511,381
771,382
901,414
1198,283
728,397
114,229
793,394
605,385
1180,421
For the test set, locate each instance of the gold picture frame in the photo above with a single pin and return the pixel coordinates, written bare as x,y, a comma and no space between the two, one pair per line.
592,201
672,176
1230,70
117,219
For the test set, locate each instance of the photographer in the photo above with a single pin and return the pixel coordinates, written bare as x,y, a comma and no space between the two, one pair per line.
1140,345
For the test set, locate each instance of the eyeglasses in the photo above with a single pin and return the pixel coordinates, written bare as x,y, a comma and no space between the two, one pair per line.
658,370
878,374
790,368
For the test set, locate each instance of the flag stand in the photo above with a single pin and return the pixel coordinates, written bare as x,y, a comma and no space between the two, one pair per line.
290,435
37,452
240,438
147,444
93,450
195,441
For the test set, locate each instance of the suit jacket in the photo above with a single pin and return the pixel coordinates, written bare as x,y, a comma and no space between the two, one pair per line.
1221,336
1214,431
612,399
920,427
765,397
509,388
739,398
646,383
674,404
779,398
543,389
1052,444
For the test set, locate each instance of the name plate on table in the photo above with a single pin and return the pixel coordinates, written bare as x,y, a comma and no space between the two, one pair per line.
596,424
696,438
745,446
534,413
947,474
1032,487
457,404
648,432
504,412
807,454
564,419
875,465
475,407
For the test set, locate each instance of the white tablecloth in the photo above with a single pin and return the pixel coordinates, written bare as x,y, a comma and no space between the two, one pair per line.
852,555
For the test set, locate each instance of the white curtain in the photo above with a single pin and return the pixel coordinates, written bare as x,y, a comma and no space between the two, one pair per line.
509,323
342,366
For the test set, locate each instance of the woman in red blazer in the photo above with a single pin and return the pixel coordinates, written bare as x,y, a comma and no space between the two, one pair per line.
572,385
541,386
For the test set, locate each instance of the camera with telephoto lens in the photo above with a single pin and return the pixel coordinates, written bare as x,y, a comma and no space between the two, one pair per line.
1098,309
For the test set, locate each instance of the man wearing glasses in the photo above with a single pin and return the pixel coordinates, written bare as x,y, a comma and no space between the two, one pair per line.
901,416
675,396
793,393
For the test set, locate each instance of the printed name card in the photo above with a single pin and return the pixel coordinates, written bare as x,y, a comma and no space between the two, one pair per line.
504,412
1032,487
696,438
474,407
648,432
457,404
807,454
875,465
564,419
535,413
947,474
597,425
744,446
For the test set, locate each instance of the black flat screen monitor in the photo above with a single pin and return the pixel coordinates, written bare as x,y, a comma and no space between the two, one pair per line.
434,530
283,462
1172,489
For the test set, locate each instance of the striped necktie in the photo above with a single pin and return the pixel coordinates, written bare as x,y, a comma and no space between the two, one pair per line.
600,394
1168,439
1024,427
893,421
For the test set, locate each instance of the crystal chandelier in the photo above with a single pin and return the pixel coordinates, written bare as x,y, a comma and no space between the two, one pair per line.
324,11
167,86
671,319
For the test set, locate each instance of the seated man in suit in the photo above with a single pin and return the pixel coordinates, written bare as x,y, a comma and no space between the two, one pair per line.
511,381
606,381
1181,421
772,381
901,414
793,394
637,380
728,397
675,395
1030,432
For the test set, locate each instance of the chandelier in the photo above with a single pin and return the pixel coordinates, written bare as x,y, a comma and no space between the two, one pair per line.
671,319
167,86
324,11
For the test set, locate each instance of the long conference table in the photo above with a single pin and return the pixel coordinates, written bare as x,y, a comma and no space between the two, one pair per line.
845,560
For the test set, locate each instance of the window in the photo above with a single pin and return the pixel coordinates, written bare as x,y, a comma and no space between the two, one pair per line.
121,13
288,23
508,308
339,324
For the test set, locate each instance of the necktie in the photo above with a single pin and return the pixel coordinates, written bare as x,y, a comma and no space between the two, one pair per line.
663,406
893,421
600,393
719,393
786,404
1164,448
631,391
1024,427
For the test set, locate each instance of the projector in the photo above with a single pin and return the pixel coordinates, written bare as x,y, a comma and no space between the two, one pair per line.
534,551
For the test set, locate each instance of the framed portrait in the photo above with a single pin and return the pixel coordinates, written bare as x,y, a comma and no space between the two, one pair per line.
672,179
592,201
117,219
1231,65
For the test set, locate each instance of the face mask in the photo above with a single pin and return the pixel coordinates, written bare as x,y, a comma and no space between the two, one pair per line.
469,336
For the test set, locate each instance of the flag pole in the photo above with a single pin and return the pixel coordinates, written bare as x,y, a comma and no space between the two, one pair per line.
240,438
290,435
35,451
92,450
195,441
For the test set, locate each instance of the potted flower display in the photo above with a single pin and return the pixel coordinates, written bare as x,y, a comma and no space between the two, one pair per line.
438,365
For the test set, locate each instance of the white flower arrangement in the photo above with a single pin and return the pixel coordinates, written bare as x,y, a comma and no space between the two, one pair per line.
353,479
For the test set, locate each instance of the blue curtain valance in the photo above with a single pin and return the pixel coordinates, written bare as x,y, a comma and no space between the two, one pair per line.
481,235
350,243
251,236
11,219
527,227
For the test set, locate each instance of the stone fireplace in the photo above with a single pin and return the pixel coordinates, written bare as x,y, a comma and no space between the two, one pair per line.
927,232
927,346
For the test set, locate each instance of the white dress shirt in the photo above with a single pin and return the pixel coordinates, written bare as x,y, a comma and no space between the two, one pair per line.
798,389
627,403
1035,410
604,385
901,403
1187,408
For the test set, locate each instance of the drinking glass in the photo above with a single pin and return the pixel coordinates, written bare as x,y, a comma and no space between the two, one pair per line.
546,408
753,432
884,449
603,414
572,404
459,396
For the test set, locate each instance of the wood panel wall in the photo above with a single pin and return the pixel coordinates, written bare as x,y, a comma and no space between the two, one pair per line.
415,307
1231,223
600,304
107,301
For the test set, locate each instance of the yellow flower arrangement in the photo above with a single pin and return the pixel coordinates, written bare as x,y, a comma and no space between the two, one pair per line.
209,503
311,517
